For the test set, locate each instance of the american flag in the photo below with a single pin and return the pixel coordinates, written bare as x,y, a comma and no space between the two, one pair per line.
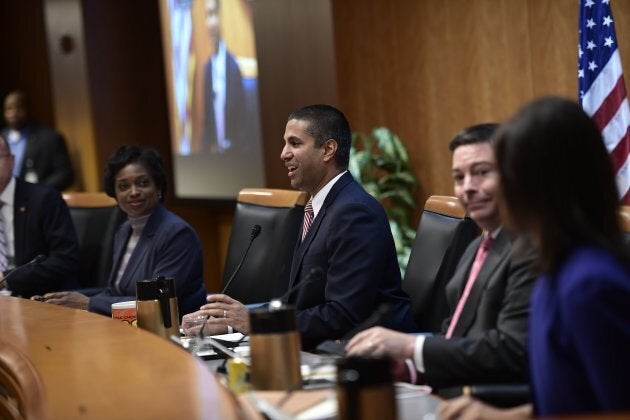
602,88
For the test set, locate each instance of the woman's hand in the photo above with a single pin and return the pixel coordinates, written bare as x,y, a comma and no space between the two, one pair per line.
70,299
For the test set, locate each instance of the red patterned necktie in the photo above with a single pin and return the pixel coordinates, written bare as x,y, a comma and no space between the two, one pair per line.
482,253
3,243
308,218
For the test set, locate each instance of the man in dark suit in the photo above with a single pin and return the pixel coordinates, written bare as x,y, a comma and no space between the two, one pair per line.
35,221
349,239
226,120
40,153
484,339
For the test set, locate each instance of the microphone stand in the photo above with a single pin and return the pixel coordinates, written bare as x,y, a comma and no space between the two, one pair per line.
255,232
315,274
36,260
256,229
338,347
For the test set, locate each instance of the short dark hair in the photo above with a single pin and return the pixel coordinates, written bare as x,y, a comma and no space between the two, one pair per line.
127,154
480,133
556,174
327,122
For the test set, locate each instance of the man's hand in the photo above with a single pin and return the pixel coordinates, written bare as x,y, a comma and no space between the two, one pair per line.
379,342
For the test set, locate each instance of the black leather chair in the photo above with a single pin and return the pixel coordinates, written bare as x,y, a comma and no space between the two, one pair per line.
96,218
264,274
443,235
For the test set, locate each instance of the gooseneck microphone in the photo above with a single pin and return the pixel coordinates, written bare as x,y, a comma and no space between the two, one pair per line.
36,260
276,303
338,347
256,229
315,274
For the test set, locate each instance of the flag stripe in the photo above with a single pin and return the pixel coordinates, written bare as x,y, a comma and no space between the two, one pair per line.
611,104
617,127
620,153
602,88
623,182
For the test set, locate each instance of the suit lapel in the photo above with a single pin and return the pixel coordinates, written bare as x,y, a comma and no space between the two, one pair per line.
302,247
20,217
455,286
498,251
119,250
129,275
142,247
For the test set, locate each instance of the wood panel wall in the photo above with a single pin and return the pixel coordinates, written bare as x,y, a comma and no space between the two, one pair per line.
427,68
296,61
25,56
125,99
424,68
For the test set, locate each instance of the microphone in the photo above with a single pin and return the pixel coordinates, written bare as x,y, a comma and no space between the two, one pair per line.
36,260
315,274
338,347
256,229
383,312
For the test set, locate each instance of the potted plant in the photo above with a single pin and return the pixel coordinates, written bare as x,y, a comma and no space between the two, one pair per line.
379,161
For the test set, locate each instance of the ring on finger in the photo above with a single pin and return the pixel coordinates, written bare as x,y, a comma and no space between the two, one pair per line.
224,313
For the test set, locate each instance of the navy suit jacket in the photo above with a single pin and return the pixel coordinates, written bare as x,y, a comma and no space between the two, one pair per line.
168,247
351,241
237,118
490,338
46,154
42,225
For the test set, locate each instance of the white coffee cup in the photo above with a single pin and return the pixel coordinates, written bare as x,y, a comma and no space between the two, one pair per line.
125,312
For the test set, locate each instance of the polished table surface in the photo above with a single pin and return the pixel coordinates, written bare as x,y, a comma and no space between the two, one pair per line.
95,367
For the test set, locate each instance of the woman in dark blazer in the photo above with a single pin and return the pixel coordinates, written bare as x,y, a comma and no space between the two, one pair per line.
152,242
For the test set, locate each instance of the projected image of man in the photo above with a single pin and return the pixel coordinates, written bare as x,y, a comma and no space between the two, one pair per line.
225,103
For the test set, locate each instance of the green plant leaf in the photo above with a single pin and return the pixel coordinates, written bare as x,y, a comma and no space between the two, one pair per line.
383,138
380,162
399,178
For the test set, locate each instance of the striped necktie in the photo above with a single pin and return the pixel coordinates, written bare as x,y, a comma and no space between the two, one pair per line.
3,243
308,218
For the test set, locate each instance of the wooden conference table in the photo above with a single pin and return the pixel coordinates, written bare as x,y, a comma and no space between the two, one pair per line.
91,366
